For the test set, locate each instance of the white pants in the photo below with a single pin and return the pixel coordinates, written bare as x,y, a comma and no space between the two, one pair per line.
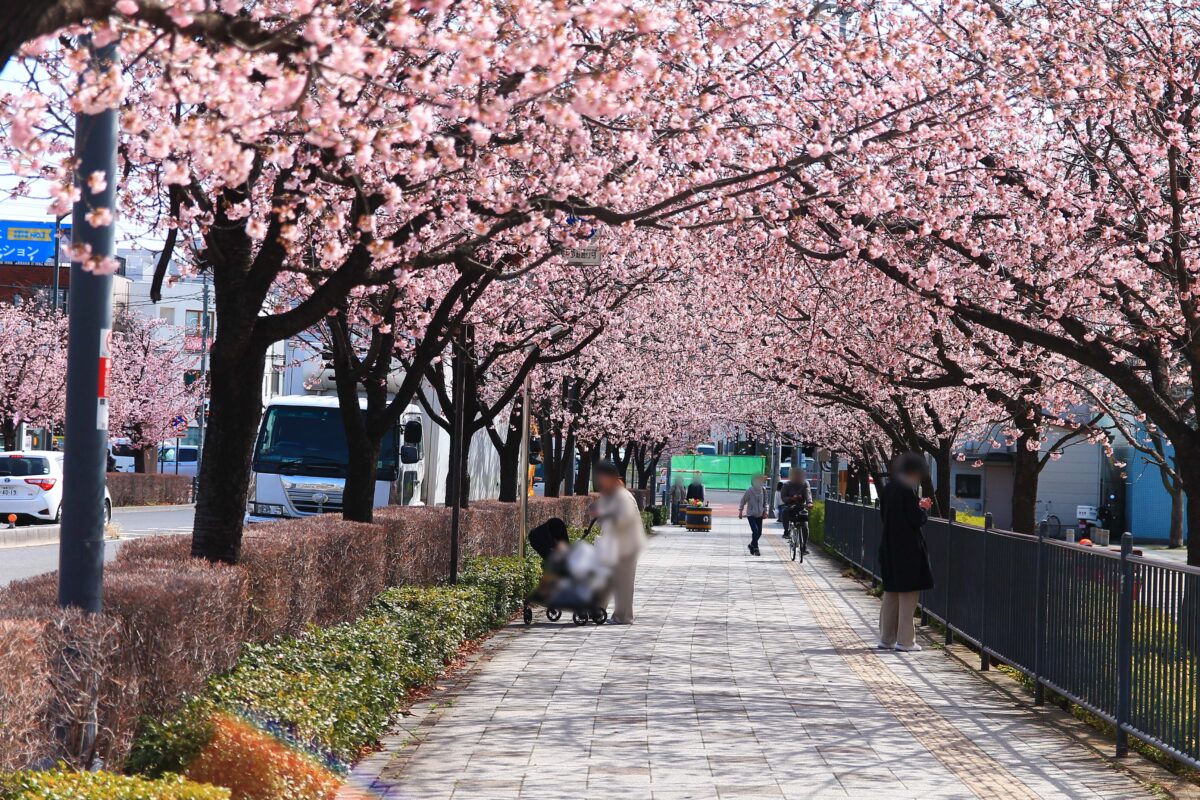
623,578
896,624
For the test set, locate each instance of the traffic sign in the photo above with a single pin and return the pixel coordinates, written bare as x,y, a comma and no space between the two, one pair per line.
590,254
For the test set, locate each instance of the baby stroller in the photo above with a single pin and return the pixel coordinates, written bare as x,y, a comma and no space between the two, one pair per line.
573,577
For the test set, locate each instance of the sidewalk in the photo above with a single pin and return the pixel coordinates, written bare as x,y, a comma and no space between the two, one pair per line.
743,678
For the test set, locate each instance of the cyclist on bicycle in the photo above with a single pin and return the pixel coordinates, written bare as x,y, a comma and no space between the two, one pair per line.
795,499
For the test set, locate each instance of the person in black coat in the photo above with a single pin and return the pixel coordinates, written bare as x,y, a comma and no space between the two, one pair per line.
903,558
695,490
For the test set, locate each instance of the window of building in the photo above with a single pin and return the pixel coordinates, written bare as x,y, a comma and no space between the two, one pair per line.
968,486
167,315
192,322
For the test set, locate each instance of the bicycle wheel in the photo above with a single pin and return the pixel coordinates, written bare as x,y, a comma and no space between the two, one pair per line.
802,535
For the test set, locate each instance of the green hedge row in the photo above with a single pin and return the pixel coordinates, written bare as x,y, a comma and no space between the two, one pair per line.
332,692
660,515
816,523
67,784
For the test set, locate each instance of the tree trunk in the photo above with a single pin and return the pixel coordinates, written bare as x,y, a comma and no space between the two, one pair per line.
510,457
145,459
568,462
235,407
583,479
1187,464
1177,509
551,459
510,479
10,435
1026,471
358,495
941,458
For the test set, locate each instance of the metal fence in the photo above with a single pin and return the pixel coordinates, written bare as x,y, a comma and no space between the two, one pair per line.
1116,633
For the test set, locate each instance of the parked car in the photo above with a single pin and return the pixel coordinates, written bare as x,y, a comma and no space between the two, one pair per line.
178,459
31,487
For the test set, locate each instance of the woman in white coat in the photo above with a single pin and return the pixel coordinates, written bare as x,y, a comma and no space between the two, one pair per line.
621,526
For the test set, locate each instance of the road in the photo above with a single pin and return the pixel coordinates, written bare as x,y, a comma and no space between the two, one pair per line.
131,523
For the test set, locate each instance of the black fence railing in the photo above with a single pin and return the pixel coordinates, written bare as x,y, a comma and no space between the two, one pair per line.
1114,632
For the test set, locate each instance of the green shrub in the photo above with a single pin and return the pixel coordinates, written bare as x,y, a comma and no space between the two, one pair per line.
647,521
62,784
333,691
586,534
506,578
660,514
816,523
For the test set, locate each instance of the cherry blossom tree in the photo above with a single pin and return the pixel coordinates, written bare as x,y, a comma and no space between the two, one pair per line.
33,361
151,401
1063,217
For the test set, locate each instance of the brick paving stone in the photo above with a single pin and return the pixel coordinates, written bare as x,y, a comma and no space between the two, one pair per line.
747,678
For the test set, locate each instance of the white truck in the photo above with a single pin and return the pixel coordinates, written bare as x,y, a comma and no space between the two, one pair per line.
300,460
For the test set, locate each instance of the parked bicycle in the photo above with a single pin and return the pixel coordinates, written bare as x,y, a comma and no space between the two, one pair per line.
1049,526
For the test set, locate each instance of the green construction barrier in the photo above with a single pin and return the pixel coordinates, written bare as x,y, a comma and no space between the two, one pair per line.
747,465
715,480
707,464
683,463
740,482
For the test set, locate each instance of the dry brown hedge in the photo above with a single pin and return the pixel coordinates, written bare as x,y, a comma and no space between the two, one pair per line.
142,489
171,621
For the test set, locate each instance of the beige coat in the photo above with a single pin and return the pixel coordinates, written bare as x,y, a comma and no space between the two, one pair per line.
621,523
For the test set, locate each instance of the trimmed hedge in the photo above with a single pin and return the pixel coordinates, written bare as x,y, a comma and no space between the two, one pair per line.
64,784
330,693
171,622
317,570
418,537
166,627
142,489
816,523
24,674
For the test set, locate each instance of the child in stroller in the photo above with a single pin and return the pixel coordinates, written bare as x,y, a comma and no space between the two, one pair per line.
573,576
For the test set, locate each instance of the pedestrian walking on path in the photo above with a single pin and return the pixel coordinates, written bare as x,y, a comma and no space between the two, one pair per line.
678,495
624,537
754,505
903,558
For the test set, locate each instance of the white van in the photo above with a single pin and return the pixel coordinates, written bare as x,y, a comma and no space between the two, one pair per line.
301,455
178,459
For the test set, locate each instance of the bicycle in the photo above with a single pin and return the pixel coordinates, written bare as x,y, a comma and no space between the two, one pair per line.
798,528
1049,526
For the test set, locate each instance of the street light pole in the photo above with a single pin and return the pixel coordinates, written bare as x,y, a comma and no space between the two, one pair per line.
201,417
523,494
54,281
81,543
461,344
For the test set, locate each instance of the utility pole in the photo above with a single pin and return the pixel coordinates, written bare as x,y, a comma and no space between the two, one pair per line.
202,415
81,547
55,290
460,345
523,468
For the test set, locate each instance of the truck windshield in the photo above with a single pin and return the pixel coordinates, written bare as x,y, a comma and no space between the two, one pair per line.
296,440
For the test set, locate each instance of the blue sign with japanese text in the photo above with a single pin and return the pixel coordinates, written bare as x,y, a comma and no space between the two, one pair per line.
30,242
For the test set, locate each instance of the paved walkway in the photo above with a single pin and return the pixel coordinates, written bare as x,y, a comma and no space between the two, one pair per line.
742,678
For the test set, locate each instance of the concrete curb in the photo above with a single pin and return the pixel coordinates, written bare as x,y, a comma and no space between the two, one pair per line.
29,536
